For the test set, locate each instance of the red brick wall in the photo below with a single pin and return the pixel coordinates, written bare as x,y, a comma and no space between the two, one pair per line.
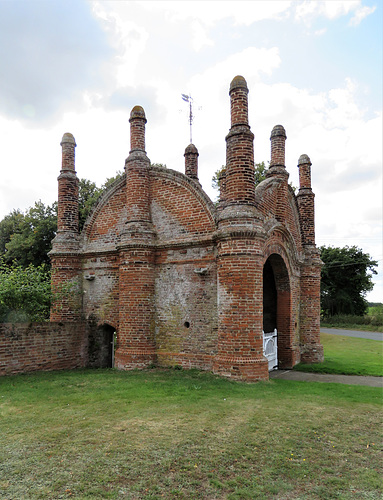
186,307
41,347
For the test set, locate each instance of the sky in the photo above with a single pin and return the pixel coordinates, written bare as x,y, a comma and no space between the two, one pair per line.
315,67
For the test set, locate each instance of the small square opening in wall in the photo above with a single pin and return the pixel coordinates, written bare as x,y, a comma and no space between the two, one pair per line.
187,324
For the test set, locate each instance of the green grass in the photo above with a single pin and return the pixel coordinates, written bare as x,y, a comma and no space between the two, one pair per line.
348,355
185,434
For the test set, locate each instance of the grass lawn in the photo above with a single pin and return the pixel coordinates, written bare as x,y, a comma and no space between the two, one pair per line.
185,434
348,355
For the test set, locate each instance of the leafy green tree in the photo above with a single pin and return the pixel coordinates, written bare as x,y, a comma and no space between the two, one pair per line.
88,194
110,180
32,236
345,280
9,225
25,293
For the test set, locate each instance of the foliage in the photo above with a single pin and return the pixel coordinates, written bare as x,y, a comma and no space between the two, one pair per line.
375,309
26,238
185,434
368,322
160,165
8,226
25,293
348,356
88,194
345,279
216,179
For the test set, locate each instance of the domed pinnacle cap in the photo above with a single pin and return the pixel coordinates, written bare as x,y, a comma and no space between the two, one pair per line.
68,138
137,112
304,160
238,82
191,149
278,131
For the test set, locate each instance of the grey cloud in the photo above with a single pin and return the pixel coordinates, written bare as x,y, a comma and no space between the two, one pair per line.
49,53
355,175
128,97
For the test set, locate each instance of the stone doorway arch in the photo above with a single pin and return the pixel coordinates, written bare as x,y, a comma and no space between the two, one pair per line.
277,306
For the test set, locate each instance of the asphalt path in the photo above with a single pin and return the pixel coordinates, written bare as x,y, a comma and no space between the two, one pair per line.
332,378
327,378
353,333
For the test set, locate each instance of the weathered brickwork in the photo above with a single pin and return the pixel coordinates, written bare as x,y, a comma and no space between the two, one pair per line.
186,282
29,347
42,346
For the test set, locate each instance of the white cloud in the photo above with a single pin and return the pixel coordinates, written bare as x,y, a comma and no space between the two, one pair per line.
242,12
200,36
307,10
360,14
48,57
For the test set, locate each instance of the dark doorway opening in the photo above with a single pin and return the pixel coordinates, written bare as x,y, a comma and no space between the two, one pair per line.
277,307
269,299
101,347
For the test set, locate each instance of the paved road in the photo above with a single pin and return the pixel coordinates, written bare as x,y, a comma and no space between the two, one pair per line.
353,333
326,377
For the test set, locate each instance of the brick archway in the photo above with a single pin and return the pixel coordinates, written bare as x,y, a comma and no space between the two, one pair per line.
277,306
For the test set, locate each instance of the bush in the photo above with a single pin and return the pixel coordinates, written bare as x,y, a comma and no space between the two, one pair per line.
348,319
25,294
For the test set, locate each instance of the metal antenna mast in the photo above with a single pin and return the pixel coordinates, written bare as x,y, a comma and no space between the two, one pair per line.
189,99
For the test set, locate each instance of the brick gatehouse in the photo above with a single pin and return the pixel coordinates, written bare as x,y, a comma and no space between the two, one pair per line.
183,281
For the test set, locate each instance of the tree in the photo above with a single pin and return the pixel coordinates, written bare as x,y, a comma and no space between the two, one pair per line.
88,194
32,234
25,293
345,280
8,226
26,238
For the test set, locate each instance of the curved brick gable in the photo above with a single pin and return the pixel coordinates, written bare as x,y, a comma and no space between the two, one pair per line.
179,207
267,193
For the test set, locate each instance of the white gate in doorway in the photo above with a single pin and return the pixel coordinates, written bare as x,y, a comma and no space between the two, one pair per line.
270,349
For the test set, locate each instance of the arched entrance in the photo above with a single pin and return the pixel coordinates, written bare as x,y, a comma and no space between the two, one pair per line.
277,306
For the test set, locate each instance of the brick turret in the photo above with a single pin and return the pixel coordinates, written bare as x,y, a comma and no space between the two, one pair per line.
137,171
278,169
240,172
240,350
312,350
191,162
67,210
278,140
136,348
64,254
305,199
